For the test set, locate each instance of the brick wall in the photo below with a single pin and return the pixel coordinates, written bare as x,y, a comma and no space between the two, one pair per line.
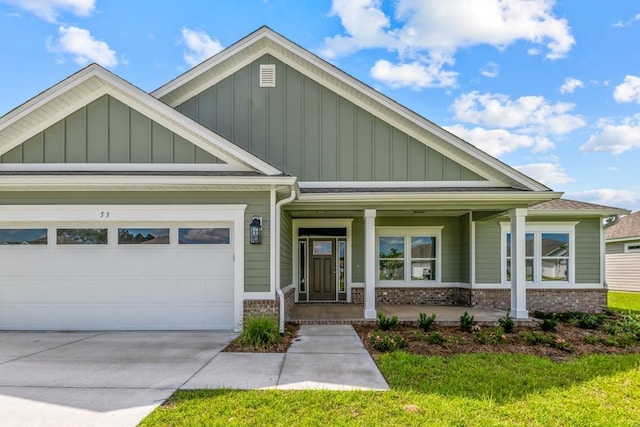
289,302
424,296
588,300
261,307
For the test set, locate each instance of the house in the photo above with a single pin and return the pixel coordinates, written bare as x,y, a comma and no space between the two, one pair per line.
623,254
267,177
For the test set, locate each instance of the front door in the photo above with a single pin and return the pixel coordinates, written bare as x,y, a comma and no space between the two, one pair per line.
322,269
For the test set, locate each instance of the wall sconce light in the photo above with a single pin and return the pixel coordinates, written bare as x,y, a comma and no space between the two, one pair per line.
255,230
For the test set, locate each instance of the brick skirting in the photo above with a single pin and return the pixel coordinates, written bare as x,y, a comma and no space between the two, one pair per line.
268,307
559,300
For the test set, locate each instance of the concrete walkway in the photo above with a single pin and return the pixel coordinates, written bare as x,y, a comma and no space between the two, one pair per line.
329,357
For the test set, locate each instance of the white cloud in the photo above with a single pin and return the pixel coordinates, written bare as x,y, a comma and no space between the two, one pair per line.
606,196
79,43
527,114
570,85
497,142
415,75
615,137
49,10
429,30
546,173
628,91
490,70
200,46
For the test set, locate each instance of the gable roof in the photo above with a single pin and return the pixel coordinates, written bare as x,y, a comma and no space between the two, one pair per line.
627,227
266,41
92,82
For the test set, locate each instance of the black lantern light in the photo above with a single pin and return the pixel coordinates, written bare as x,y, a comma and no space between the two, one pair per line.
255,230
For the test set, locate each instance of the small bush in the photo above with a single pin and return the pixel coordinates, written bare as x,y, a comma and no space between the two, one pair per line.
259,332
538,338
383,341
549,324
435,338
592,339
467,322
490,336
426,322
590,321
631,324
507,323
386,324
561,344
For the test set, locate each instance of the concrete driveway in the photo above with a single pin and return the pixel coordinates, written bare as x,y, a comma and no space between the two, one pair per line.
96,378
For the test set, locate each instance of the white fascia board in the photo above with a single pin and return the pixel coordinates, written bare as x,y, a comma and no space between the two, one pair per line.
397,184
506,196
622,239
146,105
602,213
124,167
132,182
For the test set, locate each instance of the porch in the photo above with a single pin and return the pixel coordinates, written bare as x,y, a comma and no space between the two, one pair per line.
353,313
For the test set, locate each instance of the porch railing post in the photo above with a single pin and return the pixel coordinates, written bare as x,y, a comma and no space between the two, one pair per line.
370,264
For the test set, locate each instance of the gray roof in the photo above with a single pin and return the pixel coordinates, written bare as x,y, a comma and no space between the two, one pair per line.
566,204
629,226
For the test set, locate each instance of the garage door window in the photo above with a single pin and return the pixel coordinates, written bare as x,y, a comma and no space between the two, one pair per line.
82,236
204,236
23,236
143,236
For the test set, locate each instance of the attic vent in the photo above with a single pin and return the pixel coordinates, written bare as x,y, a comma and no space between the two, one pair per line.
268,75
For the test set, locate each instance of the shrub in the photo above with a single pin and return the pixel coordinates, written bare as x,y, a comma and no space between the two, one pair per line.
592,339
386,324
561,344
631,324
467,322
590,321
259,332
549,324
383,341
507,323
489,336
435,338
425,322
538,338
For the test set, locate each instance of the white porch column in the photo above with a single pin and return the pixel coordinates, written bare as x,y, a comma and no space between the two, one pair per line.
370,267
518,264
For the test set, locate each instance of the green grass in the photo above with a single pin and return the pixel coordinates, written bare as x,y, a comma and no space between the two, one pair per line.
465,390
624,301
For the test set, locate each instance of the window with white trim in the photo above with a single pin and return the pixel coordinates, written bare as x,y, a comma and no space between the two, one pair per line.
549,253
632,247
408,254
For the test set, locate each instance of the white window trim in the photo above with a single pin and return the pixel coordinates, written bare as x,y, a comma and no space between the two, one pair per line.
537,229
628,249
407,232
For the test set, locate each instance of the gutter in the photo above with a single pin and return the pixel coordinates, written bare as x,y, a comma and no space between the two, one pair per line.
276,235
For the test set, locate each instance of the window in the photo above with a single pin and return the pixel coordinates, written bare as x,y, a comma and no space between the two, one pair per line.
549,253
23,236
143,236
342,254
82,236
204,236
408,254
628,247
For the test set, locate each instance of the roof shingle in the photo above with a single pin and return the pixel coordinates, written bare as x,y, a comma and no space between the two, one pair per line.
629,226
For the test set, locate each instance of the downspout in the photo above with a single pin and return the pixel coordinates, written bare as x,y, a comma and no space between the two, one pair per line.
276,236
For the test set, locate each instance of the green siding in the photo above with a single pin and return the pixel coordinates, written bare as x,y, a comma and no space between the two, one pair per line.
256,262
487,249
107,131
311,132
286,255
357,250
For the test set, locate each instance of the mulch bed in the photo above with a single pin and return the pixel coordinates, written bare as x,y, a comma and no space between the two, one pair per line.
458,342
290,333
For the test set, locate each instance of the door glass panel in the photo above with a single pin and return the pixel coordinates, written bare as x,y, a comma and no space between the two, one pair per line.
82,236
342,288
143,236
322,248
204,236
302,269
23,236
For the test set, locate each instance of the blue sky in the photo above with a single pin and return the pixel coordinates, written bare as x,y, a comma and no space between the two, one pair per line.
549,87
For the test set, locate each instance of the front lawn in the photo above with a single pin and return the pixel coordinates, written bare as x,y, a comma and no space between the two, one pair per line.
470,389
624,301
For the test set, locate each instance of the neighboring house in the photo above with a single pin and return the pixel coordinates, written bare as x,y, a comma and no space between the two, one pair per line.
266,177
623,254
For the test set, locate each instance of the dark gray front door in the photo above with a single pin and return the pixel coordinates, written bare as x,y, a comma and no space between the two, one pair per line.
322,269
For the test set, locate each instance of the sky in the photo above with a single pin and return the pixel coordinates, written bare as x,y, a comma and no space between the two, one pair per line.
551,88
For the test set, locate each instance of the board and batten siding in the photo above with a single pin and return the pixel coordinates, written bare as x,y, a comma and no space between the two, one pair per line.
107,131
587,249
310,132
622,269
256,262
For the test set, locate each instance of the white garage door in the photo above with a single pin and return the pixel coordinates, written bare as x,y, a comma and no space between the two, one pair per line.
170,276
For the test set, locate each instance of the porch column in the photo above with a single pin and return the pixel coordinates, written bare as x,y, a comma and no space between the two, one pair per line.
518,264
370,267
